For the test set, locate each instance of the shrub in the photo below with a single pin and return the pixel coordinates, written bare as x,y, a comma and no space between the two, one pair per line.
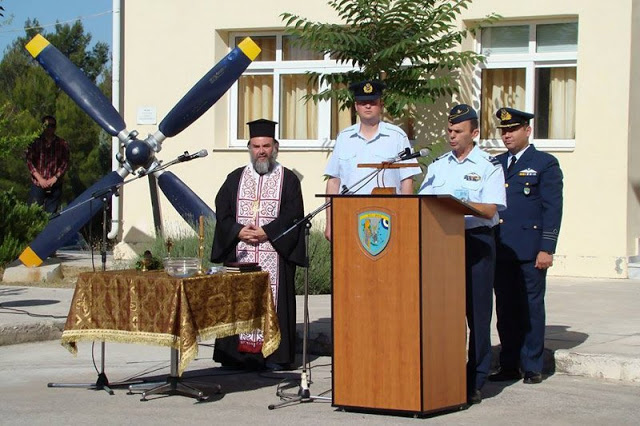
319,266
20,223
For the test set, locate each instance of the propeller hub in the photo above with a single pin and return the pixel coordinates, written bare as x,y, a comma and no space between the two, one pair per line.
138,154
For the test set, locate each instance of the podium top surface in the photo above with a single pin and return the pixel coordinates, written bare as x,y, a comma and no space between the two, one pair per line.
446,198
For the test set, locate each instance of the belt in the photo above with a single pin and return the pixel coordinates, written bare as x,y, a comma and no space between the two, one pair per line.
480,230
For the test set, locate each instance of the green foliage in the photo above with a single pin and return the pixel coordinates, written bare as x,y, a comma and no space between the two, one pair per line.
413,45
27,93
19,224
319,268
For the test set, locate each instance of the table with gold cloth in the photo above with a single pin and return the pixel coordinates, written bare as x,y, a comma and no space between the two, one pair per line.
155,308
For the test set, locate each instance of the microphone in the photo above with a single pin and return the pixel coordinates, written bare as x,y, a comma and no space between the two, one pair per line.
408,155
188,157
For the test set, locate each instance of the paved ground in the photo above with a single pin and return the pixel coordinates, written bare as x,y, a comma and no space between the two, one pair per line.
592,368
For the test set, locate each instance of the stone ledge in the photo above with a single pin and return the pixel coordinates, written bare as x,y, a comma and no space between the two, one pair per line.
27,333
614,367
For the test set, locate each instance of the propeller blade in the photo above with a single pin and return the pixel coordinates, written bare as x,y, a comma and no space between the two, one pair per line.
183,199
77,85
210,88
61,228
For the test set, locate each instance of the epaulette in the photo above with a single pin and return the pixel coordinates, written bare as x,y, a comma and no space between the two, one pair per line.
442,156
493,160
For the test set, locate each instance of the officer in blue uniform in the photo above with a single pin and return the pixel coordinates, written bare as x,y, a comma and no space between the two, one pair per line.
526,241
472,175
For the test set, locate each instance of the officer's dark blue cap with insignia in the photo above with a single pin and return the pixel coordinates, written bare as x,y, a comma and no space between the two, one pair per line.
262,127
368,90
510,117
462,112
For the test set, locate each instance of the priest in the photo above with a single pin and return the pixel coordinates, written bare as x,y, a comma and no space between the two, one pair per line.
254,206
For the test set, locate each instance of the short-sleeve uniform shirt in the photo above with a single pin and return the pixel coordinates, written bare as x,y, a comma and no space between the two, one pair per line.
478,178
352,149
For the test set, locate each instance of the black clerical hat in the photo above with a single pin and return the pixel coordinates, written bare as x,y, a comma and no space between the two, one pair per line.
510,117
262,127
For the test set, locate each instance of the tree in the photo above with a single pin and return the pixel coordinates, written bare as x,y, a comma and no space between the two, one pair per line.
28,93
413,45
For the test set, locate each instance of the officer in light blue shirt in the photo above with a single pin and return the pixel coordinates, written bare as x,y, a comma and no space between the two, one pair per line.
372,141
470,174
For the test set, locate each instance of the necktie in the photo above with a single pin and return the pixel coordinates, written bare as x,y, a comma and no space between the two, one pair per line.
511,163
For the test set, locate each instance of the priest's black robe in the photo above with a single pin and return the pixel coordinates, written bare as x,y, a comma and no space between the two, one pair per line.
291,252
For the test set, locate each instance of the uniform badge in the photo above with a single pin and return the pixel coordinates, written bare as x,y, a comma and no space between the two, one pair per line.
526,191
473,177
528,172
374,231
505,115
368,88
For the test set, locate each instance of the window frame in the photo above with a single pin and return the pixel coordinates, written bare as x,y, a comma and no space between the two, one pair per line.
530,61
277,68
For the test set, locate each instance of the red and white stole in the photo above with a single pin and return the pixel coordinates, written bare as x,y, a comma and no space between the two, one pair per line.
258,204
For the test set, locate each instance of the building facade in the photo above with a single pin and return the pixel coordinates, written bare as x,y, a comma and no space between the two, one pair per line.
572,63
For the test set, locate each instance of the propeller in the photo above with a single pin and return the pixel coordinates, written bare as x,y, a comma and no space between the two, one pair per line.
139,155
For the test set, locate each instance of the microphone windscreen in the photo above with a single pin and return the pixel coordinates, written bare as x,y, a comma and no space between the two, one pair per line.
202,153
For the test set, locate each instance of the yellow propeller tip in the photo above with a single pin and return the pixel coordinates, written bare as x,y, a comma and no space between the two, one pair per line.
36,45
250,48
29,258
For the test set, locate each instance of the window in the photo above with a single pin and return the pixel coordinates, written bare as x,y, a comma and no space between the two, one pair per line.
274,87
531,67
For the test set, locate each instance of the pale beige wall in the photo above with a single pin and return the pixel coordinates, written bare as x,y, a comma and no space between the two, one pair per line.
169,46
633,211
595,232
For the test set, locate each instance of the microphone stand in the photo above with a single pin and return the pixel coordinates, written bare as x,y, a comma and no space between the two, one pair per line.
304,393
102,382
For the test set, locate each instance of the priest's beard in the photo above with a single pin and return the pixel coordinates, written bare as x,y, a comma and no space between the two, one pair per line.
264,166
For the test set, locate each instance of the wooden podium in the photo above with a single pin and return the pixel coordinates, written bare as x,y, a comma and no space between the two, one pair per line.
398,303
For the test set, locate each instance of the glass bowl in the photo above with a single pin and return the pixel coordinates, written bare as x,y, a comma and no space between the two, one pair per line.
181,267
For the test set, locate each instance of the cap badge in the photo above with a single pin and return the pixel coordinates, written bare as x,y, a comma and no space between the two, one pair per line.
368,88
505,115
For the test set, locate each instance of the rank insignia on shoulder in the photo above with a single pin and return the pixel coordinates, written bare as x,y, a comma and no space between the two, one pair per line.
442,156
473,177
494,161
527,172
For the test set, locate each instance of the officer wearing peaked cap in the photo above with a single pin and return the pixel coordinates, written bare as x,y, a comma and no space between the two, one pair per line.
472,175
371,141
526,240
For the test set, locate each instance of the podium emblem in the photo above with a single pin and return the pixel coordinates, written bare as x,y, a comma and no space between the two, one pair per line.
374,230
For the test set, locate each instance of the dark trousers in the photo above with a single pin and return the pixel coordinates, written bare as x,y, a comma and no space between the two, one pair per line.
49,198
520,289
480,256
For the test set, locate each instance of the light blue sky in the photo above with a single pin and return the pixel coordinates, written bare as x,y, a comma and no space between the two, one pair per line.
96,17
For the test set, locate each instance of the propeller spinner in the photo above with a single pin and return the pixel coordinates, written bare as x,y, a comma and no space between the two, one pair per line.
139,154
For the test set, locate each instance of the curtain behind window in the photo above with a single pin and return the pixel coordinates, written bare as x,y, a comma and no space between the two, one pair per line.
298,118
255,100
562,103
500,88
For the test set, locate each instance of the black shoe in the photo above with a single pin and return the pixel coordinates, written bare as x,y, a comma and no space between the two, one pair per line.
532,378
475,397
505,375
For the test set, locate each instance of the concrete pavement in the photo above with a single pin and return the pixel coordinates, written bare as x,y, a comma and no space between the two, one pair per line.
593,325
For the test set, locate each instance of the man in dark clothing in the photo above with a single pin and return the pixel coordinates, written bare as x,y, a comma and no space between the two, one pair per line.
255,204
47,159
526,238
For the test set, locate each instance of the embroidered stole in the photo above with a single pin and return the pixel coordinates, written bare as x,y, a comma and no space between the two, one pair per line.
258,204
